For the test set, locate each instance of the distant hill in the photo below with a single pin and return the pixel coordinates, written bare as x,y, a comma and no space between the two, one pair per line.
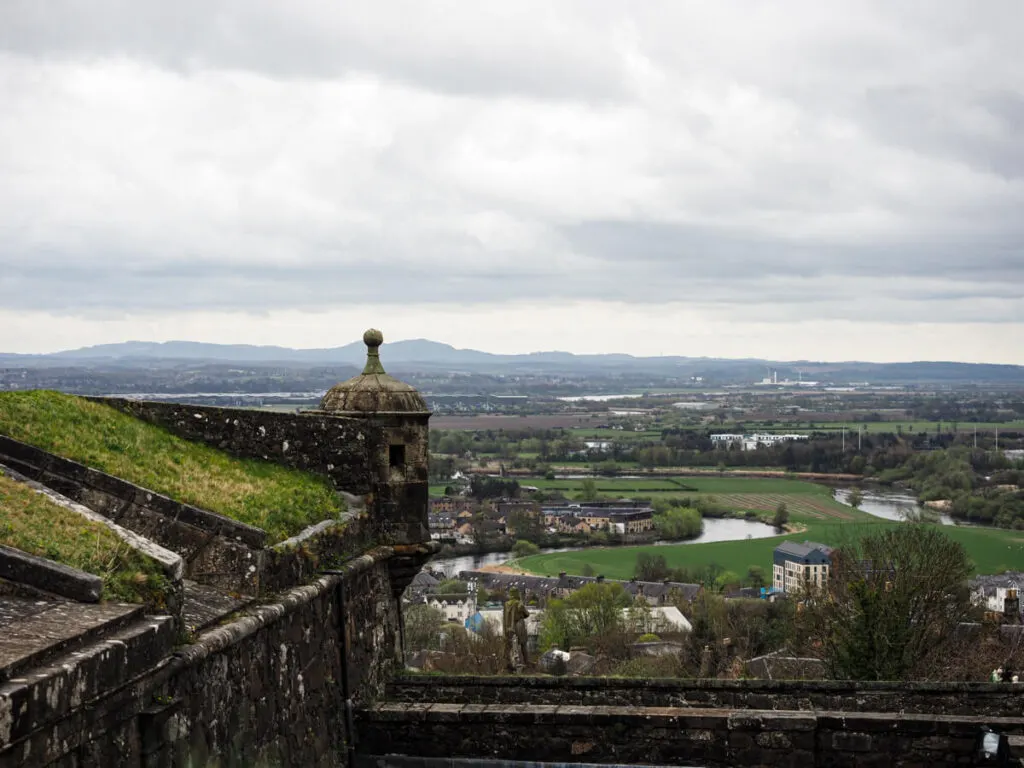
425,355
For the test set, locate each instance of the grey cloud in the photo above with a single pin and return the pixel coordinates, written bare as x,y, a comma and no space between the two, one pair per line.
470,50
835,161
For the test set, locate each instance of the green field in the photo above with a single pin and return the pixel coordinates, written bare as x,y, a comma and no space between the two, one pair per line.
907,426
991,550
586,433
806,502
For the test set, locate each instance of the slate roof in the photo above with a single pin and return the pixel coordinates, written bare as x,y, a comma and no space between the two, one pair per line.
658,590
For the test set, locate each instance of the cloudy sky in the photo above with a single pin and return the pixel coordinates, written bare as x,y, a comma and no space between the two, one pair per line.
824,180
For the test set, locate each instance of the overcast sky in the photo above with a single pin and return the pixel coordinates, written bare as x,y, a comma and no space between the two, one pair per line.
823,180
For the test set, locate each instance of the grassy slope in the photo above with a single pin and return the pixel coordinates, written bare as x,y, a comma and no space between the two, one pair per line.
32,523
279,500
992,550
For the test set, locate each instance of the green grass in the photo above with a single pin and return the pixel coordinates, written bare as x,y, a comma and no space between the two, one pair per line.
29,521
992,550
908,426
279,500
596,433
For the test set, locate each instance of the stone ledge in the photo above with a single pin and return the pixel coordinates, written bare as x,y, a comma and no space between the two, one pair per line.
50,576
48,693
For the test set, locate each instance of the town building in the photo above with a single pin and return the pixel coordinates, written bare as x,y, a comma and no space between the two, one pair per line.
799,566
999,593
753,441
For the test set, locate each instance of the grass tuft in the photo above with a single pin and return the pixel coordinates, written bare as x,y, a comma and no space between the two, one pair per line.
29,521
279,500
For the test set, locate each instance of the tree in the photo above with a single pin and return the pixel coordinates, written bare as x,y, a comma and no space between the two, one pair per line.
892,604
650,567
588,490
524,548
781,516
422,627
452,587
589,616
679,523
755,575
855,499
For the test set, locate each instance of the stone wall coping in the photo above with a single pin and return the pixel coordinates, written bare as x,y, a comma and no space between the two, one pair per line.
309,532
670,684
171,562
252,620
85,475
55,578
685,717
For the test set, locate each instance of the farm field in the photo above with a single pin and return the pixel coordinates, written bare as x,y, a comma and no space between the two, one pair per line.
991,550
873,427
805,501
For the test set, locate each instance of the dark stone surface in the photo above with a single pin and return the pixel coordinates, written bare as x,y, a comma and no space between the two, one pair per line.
267,688
990,699
205,606
34,631
667,735
57,578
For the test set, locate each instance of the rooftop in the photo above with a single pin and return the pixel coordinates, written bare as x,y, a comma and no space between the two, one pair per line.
802,550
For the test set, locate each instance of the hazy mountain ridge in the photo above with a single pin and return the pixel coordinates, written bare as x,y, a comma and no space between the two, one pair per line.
423,354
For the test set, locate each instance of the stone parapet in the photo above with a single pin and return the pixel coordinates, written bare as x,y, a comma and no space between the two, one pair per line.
671,735
989,699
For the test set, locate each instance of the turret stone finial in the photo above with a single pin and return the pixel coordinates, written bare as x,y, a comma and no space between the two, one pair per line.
373,339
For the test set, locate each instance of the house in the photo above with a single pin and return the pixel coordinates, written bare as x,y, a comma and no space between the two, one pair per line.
798,566
450,505
656,593
999,593
618,519
455,607
659,620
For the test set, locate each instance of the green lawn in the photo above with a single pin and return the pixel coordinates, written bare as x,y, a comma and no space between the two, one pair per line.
279,500
29,521
595,433
907,426
991,550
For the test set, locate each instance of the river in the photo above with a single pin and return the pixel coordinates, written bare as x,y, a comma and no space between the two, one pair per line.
715,529
891,505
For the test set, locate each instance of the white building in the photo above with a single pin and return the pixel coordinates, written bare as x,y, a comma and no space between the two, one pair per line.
991,592
457,607
797,566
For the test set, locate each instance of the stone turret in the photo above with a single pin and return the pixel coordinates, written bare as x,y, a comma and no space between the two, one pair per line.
401,462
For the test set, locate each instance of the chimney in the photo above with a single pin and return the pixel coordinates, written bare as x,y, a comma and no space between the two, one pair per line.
1011,607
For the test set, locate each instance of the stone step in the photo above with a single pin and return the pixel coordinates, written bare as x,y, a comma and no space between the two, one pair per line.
33,631
46,693
205,606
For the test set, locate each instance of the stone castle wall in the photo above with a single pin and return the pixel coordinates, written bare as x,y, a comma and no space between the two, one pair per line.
984,699
267,689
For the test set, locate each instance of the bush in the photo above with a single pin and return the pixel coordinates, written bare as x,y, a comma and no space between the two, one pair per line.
525,548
